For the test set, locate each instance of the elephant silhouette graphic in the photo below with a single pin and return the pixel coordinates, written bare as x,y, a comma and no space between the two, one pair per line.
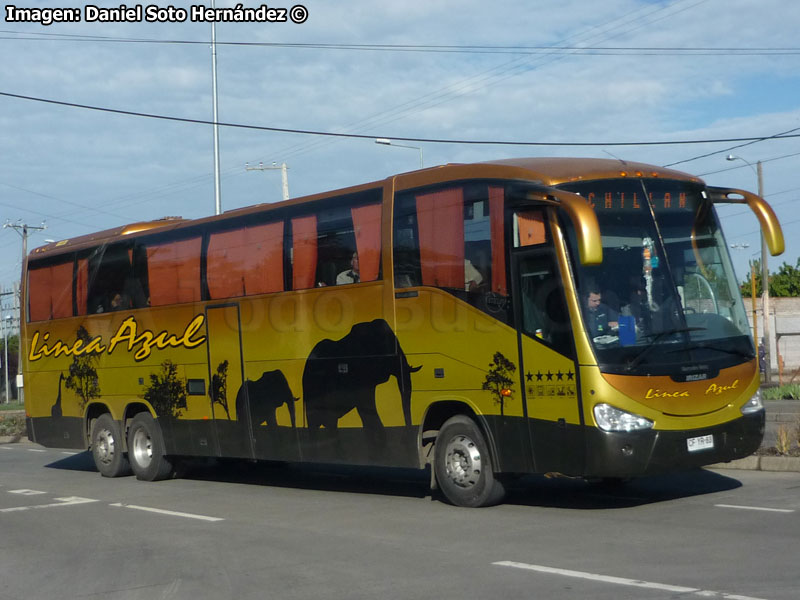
264,396
342,375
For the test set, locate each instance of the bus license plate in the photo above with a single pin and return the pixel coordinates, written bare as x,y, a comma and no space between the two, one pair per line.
703,442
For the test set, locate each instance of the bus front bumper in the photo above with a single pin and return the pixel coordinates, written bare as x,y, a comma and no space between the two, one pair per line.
634,454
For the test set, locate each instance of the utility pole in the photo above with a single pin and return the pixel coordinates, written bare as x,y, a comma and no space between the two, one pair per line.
765,285
764,273
23,229
4,322
274,167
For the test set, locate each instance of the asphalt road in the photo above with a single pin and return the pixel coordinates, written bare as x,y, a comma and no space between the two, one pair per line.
283,532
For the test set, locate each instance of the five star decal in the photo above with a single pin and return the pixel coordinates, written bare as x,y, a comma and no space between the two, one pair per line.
549,385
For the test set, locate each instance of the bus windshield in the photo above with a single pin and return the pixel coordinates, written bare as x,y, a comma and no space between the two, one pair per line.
664,300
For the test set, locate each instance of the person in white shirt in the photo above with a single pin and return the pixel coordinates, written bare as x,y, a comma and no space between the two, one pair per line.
351,275
472,277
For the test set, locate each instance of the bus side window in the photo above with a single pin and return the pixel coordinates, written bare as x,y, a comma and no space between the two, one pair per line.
407,271
339,244
173,271
110,285
543,311
454,238
245,261
50,291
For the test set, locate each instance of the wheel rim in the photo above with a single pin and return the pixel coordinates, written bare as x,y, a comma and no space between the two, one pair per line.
105,446
142,448
463,463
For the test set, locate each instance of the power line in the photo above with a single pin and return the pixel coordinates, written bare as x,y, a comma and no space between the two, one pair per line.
432,48
393,137
522,65
749,143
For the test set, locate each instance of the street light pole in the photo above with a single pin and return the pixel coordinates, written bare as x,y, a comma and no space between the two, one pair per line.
758,170
388,142
217,190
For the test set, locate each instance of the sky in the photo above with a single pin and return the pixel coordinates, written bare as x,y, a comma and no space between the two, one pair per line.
553,71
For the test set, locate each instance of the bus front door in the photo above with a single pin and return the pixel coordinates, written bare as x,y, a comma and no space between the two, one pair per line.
233,428
548,373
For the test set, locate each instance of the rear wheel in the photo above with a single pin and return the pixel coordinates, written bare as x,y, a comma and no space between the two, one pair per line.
463,465
146,449
109,457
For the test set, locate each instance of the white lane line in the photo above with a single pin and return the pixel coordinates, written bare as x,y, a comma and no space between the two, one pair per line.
596,577
70,453
171,513
623,581
761,508
70,501
36,450
26,492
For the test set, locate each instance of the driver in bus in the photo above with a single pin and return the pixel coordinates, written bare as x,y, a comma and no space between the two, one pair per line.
600,318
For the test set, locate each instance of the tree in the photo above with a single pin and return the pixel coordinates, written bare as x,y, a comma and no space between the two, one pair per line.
783,284
786,282
499,380
82,378
166,393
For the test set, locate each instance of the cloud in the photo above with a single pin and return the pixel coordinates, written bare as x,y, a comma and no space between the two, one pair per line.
133,168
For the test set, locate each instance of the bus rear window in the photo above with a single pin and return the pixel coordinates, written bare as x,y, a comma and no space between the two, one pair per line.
50,292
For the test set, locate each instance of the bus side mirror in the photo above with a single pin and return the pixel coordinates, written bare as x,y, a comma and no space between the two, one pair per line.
770,227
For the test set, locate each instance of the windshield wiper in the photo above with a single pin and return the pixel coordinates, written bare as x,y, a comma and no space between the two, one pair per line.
734,351
657,336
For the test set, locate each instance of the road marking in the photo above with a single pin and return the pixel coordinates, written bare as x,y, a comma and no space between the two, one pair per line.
36,450
26,492
171,513
70,501
761,508
70,453
623,581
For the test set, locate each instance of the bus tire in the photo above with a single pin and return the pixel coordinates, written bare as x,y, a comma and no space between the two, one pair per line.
107,448
463,465
146,450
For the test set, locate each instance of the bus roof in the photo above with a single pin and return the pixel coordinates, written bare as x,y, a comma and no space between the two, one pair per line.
555,171
547,171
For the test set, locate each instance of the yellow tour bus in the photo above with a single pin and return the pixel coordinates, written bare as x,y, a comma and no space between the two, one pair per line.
551,315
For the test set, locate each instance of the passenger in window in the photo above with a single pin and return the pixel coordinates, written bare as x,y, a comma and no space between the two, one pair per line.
351,275
120,302
472,277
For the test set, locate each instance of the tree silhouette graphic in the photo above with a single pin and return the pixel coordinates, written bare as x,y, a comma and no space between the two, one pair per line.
219,387
499,380
166,393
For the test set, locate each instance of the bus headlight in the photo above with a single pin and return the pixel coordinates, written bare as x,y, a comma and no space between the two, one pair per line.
609,418
753,405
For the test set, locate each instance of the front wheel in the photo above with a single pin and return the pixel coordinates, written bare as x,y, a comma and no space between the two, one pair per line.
146,450
463,465
107,451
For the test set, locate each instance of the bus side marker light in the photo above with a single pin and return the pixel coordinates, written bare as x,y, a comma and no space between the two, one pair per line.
610,418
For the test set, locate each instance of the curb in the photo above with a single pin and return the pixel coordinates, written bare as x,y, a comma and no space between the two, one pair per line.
13,439
786,464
